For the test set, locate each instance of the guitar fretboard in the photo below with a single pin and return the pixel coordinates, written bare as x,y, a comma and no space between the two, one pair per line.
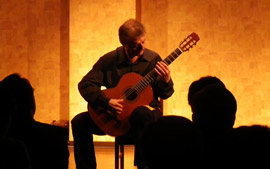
149,77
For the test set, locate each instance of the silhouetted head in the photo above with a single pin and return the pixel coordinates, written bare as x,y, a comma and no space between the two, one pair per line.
22,92
171,142
214,108
7,109
201,83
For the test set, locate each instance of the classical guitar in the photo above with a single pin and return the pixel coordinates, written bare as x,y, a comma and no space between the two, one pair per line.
136,91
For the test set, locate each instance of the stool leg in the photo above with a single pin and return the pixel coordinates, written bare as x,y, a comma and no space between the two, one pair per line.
122,156
116,151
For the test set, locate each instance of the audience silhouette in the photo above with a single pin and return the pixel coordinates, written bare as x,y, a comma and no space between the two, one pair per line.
213,113
46,144
13,154
251,146
209,140
214,110
202,82
172,142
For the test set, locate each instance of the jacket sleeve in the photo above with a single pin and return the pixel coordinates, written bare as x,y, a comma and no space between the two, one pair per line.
165,90
90,85
162,89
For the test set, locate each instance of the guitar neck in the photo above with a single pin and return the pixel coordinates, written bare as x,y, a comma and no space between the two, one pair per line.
188,43
169,59
149,77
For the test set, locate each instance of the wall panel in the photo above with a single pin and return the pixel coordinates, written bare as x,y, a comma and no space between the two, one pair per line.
30,46
233,47
54,43
93,32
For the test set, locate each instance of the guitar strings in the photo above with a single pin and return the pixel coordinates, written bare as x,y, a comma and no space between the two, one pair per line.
188,43
148,78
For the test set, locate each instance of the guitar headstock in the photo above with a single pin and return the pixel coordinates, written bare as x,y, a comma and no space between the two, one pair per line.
189,42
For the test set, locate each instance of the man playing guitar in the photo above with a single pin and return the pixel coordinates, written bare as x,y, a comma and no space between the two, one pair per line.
133,57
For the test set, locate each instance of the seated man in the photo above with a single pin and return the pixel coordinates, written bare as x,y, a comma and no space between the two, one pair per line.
213,113
47,145
132,57
13,154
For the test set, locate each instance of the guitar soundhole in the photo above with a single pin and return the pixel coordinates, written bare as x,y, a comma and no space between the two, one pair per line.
131,94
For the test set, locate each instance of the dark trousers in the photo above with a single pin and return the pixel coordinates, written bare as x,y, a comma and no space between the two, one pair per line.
83,129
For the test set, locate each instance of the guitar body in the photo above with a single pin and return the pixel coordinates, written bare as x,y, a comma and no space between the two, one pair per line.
117,125
136,91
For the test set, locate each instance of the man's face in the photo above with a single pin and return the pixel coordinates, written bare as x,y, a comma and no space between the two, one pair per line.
136,47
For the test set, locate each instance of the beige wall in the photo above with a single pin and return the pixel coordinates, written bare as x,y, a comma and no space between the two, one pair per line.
55,42
233,47
30,45
93,32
